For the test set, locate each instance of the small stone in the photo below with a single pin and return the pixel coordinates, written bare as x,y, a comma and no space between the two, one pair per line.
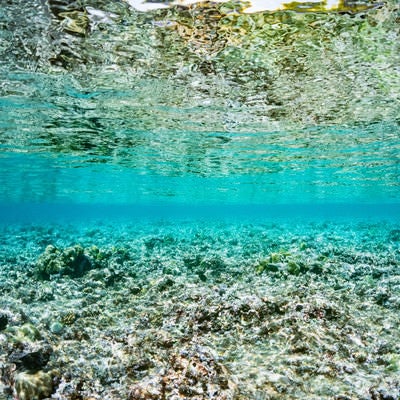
3,321
33,386
349,369
68,318
56,327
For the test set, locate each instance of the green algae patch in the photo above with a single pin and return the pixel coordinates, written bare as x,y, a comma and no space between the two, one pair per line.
266,266
26,333
291,263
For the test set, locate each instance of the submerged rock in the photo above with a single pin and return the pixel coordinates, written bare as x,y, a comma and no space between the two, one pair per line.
71,261
382,393
32,358
3,321
56,327
33,386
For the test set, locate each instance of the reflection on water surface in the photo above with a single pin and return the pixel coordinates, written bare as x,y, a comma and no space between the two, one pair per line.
256,107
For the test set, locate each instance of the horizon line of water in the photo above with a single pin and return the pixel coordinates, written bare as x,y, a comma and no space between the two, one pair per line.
59,212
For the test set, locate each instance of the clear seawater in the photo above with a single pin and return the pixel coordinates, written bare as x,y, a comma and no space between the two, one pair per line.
110,118
131,113
66,148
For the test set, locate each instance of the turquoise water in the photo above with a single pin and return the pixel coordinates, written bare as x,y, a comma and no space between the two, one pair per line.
130,108
199,203
58,146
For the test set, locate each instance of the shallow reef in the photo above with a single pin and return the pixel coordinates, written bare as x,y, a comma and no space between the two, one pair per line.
200,311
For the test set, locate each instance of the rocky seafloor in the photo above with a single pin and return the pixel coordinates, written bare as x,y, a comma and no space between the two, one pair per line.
160,310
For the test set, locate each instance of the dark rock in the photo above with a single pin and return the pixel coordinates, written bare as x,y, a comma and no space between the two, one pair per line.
3,321
383,394
31,359
165,283
142,365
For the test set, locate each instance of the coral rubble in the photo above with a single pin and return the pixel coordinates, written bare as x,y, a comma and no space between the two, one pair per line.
202,312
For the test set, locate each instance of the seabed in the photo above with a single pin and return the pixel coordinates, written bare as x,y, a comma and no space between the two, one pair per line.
222,310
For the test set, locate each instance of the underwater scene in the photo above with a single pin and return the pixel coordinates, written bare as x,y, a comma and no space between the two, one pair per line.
199,200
